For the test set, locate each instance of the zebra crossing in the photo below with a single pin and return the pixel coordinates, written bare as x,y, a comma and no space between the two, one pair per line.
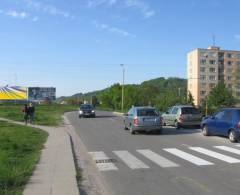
104,163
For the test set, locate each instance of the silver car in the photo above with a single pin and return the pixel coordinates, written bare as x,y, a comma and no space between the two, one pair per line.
140,119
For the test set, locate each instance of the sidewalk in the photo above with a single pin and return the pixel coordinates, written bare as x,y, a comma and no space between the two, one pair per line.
55,173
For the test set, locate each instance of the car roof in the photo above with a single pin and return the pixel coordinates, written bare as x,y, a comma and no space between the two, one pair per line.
184,106
230,109
143,107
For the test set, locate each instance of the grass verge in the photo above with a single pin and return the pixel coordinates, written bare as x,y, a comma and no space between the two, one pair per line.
20,149
49,115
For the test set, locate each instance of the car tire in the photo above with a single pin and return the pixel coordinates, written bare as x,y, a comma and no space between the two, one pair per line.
232,136
205,130
131,130
79,116
177,125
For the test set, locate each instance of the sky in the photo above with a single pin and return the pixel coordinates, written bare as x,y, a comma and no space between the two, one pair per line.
78,45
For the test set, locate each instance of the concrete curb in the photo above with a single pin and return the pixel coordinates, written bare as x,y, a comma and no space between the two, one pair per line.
118,113
92,183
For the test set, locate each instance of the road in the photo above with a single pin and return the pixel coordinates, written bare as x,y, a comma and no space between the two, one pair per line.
176,162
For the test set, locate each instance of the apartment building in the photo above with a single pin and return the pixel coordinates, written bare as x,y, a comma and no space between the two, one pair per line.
207,67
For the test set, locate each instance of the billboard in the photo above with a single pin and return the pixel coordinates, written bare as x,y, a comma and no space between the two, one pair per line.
41,93
13,93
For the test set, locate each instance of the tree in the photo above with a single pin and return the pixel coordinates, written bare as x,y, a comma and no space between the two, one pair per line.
220,96
190,99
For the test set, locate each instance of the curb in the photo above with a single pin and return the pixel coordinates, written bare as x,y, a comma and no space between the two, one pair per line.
92,182
118,113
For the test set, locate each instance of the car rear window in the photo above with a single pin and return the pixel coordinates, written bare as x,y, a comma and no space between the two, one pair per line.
86,107
190,110
147,112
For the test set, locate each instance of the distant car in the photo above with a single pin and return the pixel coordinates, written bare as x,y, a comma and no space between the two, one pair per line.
140,119
226,122
182,116
86,110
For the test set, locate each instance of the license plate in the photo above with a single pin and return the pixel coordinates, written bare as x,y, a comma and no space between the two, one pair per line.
149,120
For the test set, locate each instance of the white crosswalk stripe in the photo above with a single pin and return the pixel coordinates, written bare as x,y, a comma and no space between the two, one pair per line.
105,166
156,158
188,157
228,149
215,155
130,160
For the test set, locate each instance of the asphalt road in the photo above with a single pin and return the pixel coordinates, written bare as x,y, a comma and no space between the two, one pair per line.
176,162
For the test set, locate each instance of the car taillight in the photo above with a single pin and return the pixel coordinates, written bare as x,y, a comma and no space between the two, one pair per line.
238,125
135,121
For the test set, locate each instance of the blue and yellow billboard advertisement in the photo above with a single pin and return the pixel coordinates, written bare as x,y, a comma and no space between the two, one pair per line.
13,93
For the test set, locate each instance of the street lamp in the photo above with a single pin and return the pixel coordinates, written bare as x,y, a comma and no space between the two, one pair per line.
123,77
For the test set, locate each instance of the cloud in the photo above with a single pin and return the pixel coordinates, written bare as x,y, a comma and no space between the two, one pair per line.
16,14
95,3
35,19
49,9
138,5
113,30
141,6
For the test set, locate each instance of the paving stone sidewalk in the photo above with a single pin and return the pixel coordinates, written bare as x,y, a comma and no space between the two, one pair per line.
55,173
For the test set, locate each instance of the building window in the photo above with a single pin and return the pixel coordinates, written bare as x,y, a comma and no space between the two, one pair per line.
238,56
229,70
229,55
229,63
212,70
202,92
202,69
203,85
229,78
212,78
230,86
203,61
212,62
238,63
202,77
212,85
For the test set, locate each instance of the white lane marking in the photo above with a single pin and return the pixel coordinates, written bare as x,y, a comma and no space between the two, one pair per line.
215,155
188,157
102,166
130,160
228,149
159,160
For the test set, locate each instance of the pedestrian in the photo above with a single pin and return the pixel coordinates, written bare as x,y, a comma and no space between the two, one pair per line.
31,109
25,110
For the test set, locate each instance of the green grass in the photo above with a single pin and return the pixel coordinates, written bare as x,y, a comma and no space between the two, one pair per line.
20,149
49,115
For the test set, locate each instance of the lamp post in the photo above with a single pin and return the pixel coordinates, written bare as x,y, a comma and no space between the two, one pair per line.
123,77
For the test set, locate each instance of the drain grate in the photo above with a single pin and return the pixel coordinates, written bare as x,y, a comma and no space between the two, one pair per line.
106,161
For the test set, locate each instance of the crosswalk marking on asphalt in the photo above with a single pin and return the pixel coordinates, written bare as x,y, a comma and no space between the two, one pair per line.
215,155
156,158
100,155
130,160
188,157
228,149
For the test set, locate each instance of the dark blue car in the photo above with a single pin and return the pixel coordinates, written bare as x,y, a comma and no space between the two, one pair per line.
226,122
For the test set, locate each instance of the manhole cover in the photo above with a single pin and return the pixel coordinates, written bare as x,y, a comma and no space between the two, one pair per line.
106,161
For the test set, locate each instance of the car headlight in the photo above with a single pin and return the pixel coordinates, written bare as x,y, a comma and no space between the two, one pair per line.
80,111
93,111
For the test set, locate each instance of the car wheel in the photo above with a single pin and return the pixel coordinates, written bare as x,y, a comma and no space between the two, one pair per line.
232,136
131,130
79,116
177,125
205,131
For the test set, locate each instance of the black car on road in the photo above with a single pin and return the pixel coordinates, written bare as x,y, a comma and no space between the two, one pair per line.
86,110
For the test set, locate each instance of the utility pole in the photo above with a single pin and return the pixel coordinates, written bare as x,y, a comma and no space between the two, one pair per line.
123,77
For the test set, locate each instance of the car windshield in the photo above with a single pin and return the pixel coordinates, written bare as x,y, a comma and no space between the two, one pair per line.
86,107
147,112
190,110
238,114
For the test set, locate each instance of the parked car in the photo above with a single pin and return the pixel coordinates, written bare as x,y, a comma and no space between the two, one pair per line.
226,122
140,119
181,116
86,110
